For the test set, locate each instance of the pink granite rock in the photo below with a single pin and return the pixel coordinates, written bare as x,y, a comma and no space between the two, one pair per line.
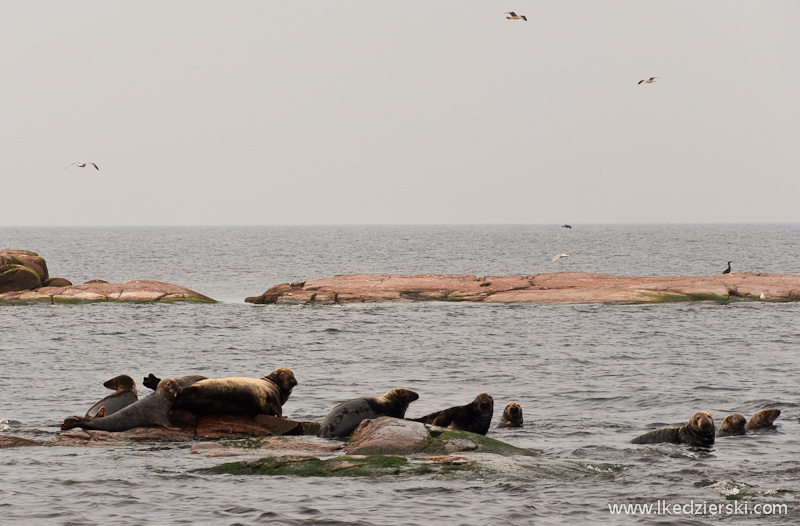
562,287
386,436
137,290
21,270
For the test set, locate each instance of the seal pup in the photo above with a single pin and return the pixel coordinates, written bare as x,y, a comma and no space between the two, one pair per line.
733,424
762,419
152,380
698,432
125,394
238,395
512,416
151,410
475,417
345,417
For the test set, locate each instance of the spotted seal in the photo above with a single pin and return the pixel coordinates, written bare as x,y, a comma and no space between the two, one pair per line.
475,417
125,394
151,410
698,432
152,380
239,396
345,417
512,416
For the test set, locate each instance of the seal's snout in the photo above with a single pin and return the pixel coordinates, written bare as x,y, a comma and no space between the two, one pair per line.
703,421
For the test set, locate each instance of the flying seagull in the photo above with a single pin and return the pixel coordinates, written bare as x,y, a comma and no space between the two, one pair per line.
728,270
566,226
559,256
83,165
648,81
513,16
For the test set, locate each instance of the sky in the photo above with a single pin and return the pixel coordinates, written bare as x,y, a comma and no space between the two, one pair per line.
399,112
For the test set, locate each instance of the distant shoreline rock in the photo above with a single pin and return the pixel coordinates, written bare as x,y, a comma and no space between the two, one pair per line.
559,287
24,279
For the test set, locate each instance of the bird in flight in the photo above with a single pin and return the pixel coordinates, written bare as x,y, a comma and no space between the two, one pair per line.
513,16
647,81
566,226
83,165
557,256
728,270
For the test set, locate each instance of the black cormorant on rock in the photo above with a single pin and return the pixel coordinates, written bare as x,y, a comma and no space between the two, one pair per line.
728,270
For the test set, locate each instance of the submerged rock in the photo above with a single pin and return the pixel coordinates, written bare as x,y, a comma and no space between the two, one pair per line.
559,287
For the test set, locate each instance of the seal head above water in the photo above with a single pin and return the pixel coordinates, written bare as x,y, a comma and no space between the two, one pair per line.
512,416
149,411
475,417
762,419
733,424
238,395
345,417
125,394
698,432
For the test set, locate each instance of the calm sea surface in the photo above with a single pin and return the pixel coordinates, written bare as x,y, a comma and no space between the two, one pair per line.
589,377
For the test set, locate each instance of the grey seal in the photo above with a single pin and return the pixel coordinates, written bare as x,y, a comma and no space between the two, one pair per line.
512,416
125,394
475,417
698,432
345,417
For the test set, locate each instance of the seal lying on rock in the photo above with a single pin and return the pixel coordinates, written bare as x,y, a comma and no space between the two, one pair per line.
152,380
239,396
698,432
762,419
475,417
149,411
125,395
512,416
345,417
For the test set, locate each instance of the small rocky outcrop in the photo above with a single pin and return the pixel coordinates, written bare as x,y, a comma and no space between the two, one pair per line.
559,287
24,279
21,270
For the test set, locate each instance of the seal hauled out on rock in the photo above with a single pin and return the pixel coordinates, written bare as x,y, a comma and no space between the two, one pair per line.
239,396
698,432
475,417
149,411
152,380
125,395
512,416
733,424
345,417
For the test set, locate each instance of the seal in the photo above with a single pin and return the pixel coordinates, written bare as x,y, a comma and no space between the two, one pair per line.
475,417
345,417
152,410
512,416
152,380
698,432
733,424
238,395
762,419
125,394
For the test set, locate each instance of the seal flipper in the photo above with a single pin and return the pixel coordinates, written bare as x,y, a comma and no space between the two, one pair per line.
151,381
101,412
71,422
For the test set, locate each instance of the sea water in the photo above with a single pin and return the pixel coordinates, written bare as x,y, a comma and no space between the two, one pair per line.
589,377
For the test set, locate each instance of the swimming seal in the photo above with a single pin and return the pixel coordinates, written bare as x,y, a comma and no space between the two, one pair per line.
125,395
698,432
152,380
152,410
512,416
475,417
733,424
345,417
762,419
239,396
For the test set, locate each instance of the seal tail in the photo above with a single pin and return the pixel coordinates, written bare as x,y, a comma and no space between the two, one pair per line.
71,422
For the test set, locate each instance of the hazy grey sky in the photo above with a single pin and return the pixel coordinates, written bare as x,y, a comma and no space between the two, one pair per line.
375,112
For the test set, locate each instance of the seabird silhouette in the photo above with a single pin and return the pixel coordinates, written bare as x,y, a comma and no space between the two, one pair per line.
566,226
559,256
728,270
83,165
514,16
647,81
